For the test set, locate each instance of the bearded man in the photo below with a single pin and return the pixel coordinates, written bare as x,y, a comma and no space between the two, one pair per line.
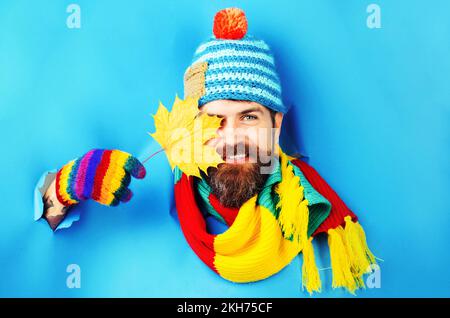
272,204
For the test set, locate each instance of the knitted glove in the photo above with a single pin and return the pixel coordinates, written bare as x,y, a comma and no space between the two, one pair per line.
101,175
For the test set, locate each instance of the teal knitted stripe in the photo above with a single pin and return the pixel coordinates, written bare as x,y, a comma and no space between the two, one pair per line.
268,197
177,174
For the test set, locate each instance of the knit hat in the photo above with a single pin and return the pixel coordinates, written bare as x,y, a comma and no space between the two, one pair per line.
233,65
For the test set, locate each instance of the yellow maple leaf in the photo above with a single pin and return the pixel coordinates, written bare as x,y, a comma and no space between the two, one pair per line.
183,132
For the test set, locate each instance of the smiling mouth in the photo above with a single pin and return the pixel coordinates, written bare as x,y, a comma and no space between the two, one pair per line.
238,154
236,158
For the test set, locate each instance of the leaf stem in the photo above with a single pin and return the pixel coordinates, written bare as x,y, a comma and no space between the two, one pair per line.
153,154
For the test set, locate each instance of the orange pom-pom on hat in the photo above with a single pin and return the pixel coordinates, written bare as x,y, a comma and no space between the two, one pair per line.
230,24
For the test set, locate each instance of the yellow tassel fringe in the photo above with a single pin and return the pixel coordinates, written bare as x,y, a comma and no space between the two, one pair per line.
294,219
340,264
350,256
310,273
292,211
360,255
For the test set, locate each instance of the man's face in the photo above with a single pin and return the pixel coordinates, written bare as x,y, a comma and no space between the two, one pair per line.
246,140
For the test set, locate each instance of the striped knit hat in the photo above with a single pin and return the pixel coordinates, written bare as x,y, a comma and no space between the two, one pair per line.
233,65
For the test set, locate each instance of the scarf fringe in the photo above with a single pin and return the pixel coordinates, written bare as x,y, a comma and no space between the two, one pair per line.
361,257
294,213
293,210
350,256
310,273
294,219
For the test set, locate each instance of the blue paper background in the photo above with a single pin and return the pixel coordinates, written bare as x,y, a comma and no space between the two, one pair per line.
371,111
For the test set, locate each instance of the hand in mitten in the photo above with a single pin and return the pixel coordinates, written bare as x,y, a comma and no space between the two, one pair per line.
100,175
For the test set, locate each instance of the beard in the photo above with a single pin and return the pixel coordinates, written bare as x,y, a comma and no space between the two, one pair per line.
235,183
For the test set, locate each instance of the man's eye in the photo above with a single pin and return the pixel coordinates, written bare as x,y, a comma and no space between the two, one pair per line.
249,117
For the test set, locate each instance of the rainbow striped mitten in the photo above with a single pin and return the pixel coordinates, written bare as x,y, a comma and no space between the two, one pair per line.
101,175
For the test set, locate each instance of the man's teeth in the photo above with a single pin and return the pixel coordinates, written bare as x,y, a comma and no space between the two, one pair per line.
236,157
